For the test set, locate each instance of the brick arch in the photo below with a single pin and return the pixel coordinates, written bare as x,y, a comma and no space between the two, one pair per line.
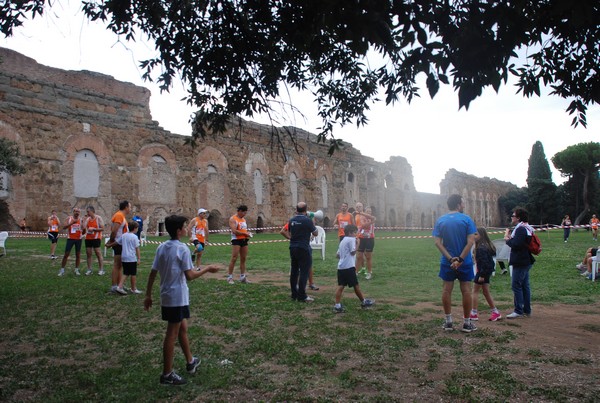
150,150
76,143
292,167
16,197
211,156
157,182
324,170
256,161
71,146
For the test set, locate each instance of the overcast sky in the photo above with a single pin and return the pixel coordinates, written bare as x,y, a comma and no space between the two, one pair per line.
492,139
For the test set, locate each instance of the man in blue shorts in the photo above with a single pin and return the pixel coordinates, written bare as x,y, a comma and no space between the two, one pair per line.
454,235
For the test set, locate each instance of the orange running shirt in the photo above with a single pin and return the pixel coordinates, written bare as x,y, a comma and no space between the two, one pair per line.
53,225
119,218
595,222
75,229
200,229
241,226
343,220
93,224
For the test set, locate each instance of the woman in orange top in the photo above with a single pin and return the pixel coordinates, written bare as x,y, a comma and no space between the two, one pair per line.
94,225
239,243
198,229
75,231
53,226
366,239
342,219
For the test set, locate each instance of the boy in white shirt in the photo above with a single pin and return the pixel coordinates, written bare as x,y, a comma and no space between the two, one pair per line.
346,272
130,257
173,262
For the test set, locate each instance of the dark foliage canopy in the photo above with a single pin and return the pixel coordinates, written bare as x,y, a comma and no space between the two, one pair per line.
240,56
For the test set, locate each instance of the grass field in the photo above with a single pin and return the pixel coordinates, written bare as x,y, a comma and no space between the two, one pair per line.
65,339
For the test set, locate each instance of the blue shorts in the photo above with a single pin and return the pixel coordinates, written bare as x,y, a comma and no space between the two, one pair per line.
175,314
464,273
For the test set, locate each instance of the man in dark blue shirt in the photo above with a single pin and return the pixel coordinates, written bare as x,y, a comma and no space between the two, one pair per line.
301,227
140,222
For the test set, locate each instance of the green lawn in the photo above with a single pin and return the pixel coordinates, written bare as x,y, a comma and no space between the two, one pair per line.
66,339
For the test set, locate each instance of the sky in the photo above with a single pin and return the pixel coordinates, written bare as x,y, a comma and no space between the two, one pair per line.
492,139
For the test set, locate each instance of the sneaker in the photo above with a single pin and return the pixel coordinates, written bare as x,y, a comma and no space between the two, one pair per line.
313,287
126,289
230,280
589,277
495,316
136,291
474,316
191,367
367,303
88,272
468,328
244,280
585,273
307,299
61,272
53,257
113,289
338,310
513,315
172,379
504,271
448,326
121,291
77,272
101,273
368,276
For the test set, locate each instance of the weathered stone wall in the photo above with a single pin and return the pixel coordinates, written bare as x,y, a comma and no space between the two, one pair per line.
70,123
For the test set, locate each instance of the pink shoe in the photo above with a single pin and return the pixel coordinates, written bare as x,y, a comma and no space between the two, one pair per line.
474,316
495,316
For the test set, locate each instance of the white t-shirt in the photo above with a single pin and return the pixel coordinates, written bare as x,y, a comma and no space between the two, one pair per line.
172,260
347,259
130,242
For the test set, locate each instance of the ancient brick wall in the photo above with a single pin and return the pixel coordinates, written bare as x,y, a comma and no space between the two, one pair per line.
71,125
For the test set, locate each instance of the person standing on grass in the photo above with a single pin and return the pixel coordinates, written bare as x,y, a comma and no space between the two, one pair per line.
198,230
300,227
74,229
454,235
342,219
285,232
239,243
173,263
94,225
594,222
566,224
346,273
521,260
53,227
118,228
366,243
484,257
130,257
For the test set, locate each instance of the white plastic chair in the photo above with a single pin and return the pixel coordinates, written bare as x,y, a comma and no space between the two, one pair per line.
3,237
105,241
318,242
502,252
594,267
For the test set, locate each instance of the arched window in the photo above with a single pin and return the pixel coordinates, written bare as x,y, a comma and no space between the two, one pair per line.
324,191
86,174
258,186
350,177
294,188
211,169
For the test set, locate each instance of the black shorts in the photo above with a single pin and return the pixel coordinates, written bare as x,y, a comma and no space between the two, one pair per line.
366,245
73,242
92,243
53,237
486,279
129,268
239,242
175,314
117,249
347,277
594,251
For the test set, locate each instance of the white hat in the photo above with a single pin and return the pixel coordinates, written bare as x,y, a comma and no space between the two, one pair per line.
202,210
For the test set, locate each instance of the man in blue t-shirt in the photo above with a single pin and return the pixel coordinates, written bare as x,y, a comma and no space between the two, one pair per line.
300,227
140,222
454,235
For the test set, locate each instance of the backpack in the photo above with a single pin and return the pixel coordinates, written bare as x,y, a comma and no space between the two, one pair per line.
535,245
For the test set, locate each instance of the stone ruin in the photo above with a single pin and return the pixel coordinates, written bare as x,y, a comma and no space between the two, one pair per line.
87,138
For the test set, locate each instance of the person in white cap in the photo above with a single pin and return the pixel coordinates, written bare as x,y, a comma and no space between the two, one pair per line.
198,230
